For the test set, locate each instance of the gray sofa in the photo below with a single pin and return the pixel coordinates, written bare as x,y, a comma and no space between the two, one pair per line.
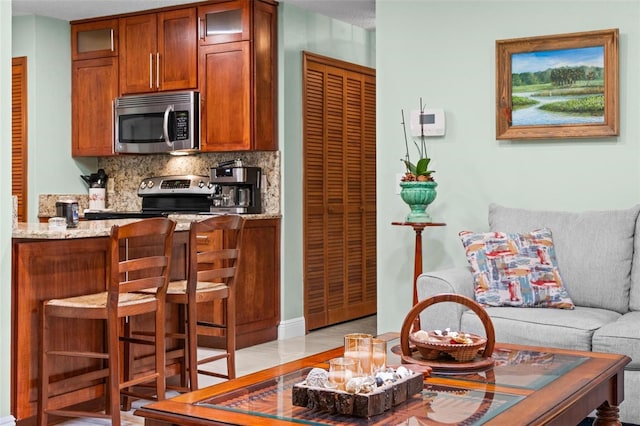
598,255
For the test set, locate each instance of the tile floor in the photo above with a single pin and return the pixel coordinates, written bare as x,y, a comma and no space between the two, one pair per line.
259,357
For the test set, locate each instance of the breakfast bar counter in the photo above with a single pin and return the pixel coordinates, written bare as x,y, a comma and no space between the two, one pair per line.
49,264
101,228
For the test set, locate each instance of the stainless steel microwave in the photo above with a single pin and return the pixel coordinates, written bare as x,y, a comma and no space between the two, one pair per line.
157,123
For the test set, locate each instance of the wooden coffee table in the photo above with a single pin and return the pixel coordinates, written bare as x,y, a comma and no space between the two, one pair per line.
528,386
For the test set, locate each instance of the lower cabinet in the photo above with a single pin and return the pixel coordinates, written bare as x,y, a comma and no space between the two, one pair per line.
44,269
257,286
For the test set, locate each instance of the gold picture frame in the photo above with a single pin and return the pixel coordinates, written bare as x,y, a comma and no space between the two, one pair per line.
566,86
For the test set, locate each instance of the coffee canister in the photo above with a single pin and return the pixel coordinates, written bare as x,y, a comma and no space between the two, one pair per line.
69,210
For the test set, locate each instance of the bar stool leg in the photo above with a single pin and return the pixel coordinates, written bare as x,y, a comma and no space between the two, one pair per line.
113,348
191,345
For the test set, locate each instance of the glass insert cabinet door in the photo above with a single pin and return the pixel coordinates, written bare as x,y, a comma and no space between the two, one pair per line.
224,23
97,39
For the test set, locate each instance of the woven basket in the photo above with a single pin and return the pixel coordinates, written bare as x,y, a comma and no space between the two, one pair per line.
438,346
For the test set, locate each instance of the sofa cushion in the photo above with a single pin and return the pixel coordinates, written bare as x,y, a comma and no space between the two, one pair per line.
515,269
558,328
621,337
593,249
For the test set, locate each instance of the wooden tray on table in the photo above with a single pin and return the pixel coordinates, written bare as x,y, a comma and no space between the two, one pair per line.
410,353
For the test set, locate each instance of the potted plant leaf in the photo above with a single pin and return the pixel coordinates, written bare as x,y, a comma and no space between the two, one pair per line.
418,187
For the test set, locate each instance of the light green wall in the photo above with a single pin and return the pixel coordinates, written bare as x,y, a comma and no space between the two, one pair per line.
443,51
304,31
51,170
5,210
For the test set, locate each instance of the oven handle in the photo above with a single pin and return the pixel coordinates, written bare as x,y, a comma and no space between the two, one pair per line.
165,125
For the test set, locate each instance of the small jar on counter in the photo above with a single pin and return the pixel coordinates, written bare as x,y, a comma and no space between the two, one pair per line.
69,210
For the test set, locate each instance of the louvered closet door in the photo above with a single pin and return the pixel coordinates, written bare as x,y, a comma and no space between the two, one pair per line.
19,134
340,191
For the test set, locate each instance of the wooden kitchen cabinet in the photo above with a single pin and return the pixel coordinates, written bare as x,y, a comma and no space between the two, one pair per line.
227,50
95,39
45,269
55,268
158,51
224,22
225,97
237,79
257,287
94,86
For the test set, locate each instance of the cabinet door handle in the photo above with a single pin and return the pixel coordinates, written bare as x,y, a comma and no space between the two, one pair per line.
112,47
157,70
200,28
150,70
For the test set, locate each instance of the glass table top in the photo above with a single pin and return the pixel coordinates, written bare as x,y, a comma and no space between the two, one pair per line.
461,399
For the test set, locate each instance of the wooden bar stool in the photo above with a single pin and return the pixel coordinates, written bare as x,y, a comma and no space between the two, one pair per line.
139,258
213,258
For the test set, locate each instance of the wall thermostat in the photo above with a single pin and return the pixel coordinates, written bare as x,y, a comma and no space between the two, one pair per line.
429,122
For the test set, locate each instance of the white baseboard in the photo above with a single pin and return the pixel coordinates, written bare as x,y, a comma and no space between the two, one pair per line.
7,421
291,328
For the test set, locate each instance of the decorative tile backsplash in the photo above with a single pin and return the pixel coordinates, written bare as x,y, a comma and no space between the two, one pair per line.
127,171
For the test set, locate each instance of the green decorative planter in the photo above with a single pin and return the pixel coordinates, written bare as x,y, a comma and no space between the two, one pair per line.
418,195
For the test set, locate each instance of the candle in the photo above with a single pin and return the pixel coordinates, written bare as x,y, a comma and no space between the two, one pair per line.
363,361
358,346
340,371
379,357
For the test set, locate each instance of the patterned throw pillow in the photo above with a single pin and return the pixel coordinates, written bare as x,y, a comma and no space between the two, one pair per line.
511,269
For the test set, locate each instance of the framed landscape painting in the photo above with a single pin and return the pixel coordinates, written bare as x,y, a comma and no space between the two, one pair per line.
559,86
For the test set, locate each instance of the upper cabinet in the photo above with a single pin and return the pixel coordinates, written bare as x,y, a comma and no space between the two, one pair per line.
237,73
94,86
225,92
97,39
158,51
225,49
224,22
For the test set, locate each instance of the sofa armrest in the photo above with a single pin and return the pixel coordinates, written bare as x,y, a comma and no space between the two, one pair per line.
446,314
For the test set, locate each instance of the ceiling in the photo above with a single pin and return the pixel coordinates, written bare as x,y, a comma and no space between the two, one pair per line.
356,12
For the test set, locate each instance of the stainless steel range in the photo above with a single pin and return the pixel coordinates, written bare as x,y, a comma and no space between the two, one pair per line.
165,195
232,190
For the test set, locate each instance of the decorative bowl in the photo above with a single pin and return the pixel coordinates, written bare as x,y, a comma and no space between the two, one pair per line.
432,346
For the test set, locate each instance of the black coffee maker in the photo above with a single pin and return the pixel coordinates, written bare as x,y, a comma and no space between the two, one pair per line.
236,190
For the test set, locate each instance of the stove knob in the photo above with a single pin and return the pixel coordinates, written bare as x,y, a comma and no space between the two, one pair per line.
210,185
150,184
201,184
143,185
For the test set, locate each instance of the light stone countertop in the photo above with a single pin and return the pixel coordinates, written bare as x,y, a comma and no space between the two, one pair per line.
102,228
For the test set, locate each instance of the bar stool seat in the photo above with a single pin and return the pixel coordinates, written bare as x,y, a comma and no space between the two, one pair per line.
138,258
97,301
177,288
